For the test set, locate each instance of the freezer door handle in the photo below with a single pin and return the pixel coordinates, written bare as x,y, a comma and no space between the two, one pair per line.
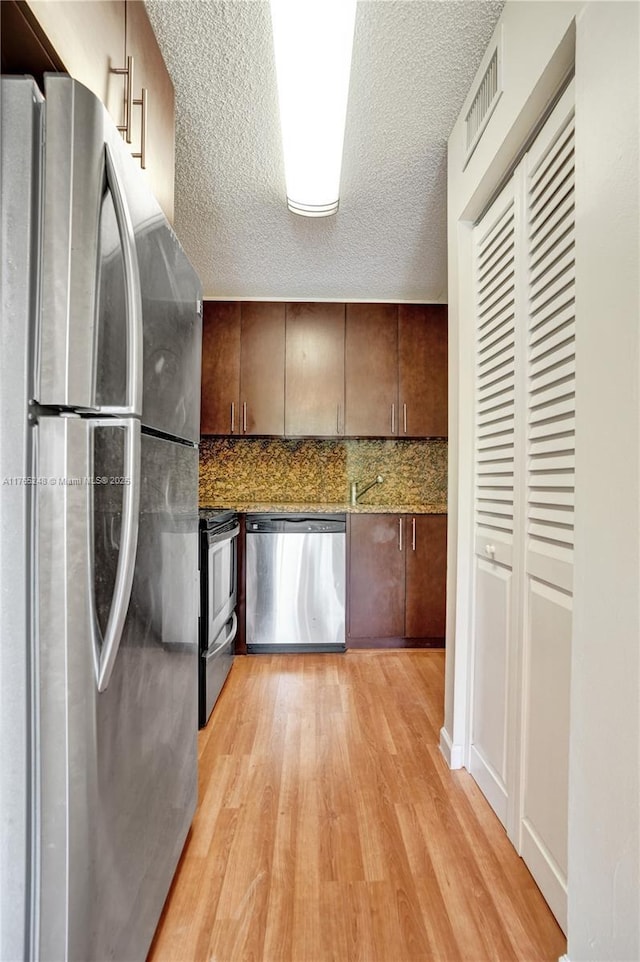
132,291
105,649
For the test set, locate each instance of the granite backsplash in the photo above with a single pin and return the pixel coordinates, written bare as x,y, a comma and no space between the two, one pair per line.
240,470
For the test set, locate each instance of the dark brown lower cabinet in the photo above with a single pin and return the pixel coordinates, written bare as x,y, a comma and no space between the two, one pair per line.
426,576
375,593
396,586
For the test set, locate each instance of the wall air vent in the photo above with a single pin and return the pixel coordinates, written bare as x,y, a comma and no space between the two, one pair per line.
484,102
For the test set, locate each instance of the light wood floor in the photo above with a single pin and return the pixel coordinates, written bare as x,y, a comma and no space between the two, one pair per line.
330,828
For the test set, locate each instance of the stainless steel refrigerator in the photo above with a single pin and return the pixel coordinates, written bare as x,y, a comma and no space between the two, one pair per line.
99,424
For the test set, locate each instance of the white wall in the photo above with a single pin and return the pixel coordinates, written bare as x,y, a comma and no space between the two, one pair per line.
604,795
604,799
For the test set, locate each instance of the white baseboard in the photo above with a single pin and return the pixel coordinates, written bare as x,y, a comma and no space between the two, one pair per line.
547,874
490,783
564,958
451,752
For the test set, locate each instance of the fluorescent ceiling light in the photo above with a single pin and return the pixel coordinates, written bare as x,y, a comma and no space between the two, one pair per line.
313,40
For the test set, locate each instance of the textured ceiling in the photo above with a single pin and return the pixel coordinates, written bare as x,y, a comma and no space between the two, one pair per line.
413,64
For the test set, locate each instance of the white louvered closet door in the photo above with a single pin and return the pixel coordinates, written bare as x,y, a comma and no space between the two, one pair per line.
495,269
550,484
524,304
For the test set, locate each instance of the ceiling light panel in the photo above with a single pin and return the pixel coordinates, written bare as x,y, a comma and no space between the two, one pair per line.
313,42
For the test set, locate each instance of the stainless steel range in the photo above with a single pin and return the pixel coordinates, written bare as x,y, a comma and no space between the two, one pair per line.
219,531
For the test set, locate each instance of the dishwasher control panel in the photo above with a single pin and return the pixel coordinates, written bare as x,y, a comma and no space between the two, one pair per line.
292,523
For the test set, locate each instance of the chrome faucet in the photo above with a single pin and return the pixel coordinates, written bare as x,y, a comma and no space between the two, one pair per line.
355,494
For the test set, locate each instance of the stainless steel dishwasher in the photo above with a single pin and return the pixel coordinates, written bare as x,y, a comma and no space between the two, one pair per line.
295,582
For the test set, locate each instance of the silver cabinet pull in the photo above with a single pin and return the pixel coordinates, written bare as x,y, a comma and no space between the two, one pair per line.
413,534
400,527
244,417
233,417
404,417
143,102
127,72
393,419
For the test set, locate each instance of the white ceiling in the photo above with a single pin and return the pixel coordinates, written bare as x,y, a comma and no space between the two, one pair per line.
413,64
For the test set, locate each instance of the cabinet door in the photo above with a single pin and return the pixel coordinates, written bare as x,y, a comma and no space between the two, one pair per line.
24,49
220,368
371,370
376,576
314,405
426,574
422,354
89,39
150,72
262,368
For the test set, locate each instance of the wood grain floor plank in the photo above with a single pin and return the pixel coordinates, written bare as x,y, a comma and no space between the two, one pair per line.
329,828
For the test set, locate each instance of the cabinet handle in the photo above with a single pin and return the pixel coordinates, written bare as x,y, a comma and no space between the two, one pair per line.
233,417
400,526
404,417
393,419
490,550
244,417
413,534
338,431
143,102
127,72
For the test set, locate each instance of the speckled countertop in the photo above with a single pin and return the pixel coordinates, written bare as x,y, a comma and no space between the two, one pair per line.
332,507
272,474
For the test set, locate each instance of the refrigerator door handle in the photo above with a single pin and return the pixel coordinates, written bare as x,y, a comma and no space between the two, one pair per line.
105,649
133,294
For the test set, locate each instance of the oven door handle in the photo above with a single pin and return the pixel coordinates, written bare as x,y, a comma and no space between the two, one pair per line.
212,652
227,535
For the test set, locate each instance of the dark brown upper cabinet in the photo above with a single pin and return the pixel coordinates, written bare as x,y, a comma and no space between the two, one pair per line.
87,40
262,344
157,112
243,368
91,41
22,50
314,375
221,331
422,370
371,370
325,370
396,370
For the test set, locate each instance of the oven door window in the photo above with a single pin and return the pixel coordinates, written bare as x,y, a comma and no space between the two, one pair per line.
222,586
